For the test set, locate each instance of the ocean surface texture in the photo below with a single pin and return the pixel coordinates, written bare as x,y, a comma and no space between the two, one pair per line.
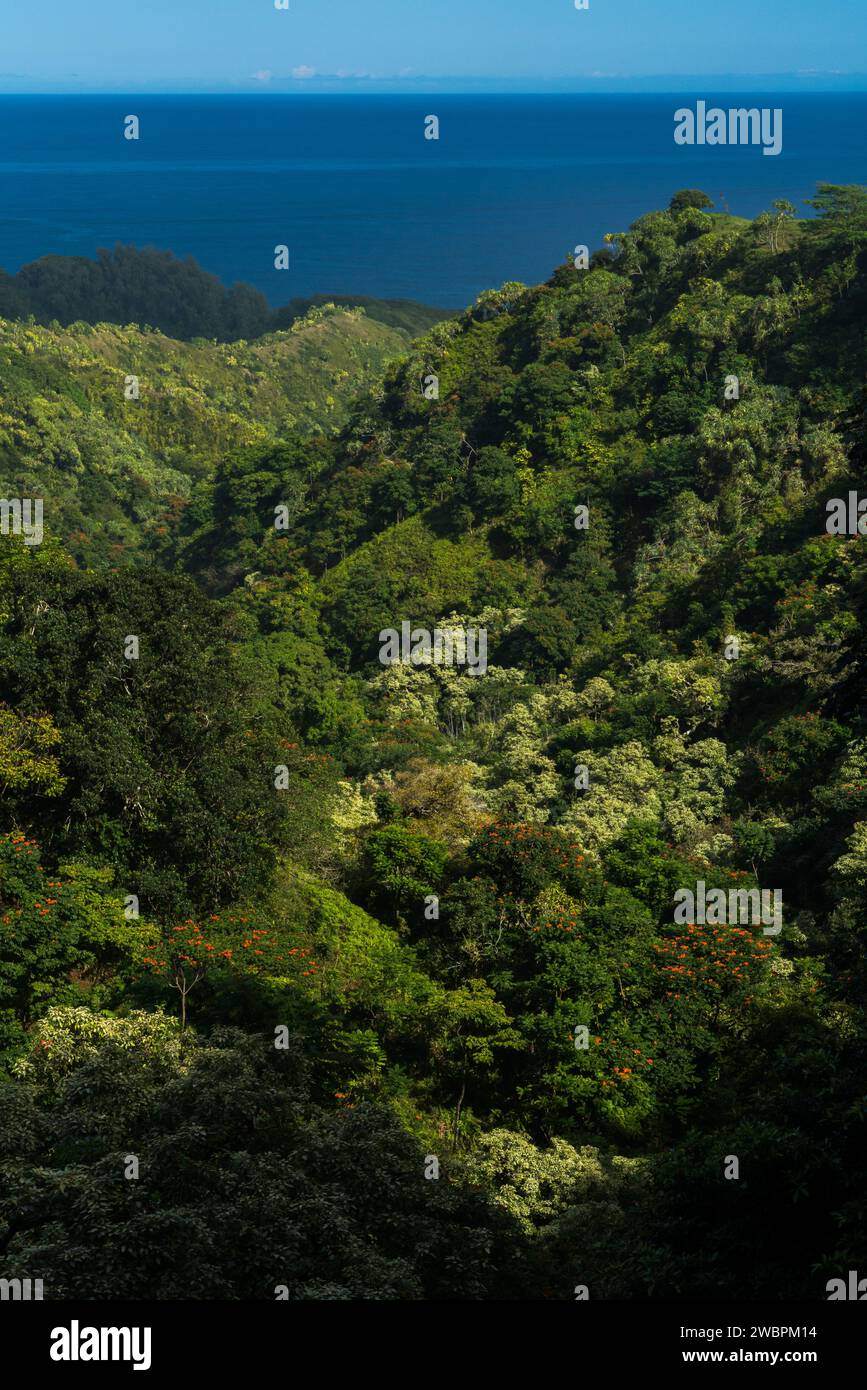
364,202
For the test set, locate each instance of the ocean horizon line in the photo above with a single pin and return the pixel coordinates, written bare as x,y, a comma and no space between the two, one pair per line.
796,84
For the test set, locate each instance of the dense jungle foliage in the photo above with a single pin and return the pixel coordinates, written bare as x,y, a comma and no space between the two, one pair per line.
379,913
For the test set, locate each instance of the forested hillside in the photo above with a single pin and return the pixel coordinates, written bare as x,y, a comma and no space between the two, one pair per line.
374,968
113,426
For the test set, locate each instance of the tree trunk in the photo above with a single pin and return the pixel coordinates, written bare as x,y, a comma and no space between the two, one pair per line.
459,1107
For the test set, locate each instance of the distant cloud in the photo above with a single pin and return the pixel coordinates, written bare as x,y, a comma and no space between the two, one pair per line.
264,75
303,72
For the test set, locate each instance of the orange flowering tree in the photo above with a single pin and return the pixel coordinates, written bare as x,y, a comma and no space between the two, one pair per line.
708,966
704,982
185,954
43,938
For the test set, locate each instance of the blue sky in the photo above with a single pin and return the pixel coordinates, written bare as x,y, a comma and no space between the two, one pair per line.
105,45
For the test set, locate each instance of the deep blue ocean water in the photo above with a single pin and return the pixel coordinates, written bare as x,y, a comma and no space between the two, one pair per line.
364,202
